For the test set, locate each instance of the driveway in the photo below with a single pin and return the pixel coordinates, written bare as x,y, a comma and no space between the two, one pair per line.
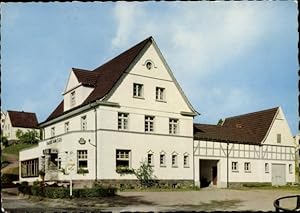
210,199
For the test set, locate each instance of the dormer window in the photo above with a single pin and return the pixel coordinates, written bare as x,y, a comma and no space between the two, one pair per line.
73,102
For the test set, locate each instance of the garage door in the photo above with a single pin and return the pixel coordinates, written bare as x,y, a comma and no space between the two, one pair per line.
278,174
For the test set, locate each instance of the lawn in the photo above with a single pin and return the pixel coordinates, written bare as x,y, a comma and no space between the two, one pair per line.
286,187
14,149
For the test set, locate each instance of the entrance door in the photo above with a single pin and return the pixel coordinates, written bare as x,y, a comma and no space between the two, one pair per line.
214,175
278,174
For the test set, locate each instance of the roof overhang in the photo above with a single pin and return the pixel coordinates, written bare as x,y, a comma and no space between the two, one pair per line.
79,110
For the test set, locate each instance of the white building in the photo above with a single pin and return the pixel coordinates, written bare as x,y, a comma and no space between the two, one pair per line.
256,147
126,111
18,120
297,143
3,114
129,110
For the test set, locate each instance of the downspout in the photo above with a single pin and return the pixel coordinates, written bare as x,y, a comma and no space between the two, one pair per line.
227,166
96,159
193,164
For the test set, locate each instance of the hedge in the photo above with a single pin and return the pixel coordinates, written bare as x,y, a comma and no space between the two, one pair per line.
59,192
9,178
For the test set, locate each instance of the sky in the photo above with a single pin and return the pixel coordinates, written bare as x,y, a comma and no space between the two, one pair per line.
230,58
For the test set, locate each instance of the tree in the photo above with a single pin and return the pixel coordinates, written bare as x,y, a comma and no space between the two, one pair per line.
4,140
220,122
31,136
145,174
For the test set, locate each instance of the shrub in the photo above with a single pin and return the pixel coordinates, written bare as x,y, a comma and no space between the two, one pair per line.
145,175
24,188
9,178
36,189
59,192
55,192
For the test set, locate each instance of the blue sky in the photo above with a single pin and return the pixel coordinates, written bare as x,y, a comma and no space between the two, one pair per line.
229,57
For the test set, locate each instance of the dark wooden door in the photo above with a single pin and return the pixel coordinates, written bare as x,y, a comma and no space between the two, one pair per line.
214,175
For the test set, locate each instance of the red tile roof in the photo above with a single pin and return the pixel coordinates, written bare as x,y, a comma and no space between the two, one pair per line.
104,78
23,119
249,128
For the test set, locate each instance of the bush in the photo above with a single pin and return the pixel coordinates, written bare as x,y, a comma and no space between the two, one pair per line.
145,175
9,178
57,192
24,188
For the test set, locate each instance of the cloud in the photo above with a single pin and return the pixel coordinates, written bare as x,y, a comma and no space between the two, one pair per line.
193,32
198,41
125,14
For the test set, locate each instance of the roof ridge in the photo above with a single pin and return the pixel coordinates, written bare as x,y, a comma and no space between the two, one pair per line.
122,53
107,75
250,113
20,111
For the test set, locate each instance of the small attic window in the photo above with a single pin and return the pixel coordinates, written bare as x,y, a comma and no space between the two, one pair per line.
149,65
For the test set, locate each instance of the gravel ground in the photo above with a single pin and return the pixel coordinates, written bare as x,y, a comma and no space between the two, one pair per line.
209,199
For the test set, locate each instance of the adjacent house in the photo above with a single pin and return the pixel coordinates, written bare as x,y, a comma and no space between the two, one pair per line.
3,114
255,147
132,109
18,120
297,144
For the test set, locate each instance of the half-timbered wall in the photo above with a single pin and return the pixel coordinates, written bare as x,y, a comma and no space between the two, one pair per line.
256,155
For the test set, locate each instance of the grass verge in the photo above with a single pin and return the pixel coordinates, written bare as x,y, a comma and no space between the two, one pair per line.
14,149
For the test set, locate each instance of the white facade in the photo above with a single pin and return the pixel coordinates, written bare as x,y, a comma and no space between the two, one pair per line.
102,136
3,115
297,144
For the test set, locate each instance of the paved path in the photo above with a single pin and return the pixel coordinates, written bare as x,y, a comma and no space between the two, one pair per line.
203,200
13,162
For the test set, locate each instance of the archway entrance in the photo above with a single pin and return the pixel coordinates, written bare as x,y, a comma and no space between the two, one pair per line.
208,173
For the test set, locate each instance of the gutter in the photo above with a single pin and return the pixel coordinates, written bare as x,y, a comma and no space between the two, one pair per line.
79,110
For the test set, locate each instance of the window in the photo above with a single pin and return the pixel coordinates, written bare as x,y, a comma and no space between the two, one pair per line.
83,123
73,100
122,121
234,167
149,65
82,160
278,138
186,160
174,160
173,126
149,123
30,168
52,131
247,167
290,168
66,127
267,168
162,159
160,94
122,158
150,159
138,90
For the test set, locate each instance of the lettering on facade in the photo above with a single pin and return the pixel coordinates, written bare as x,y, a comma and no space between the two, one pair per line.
55,140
